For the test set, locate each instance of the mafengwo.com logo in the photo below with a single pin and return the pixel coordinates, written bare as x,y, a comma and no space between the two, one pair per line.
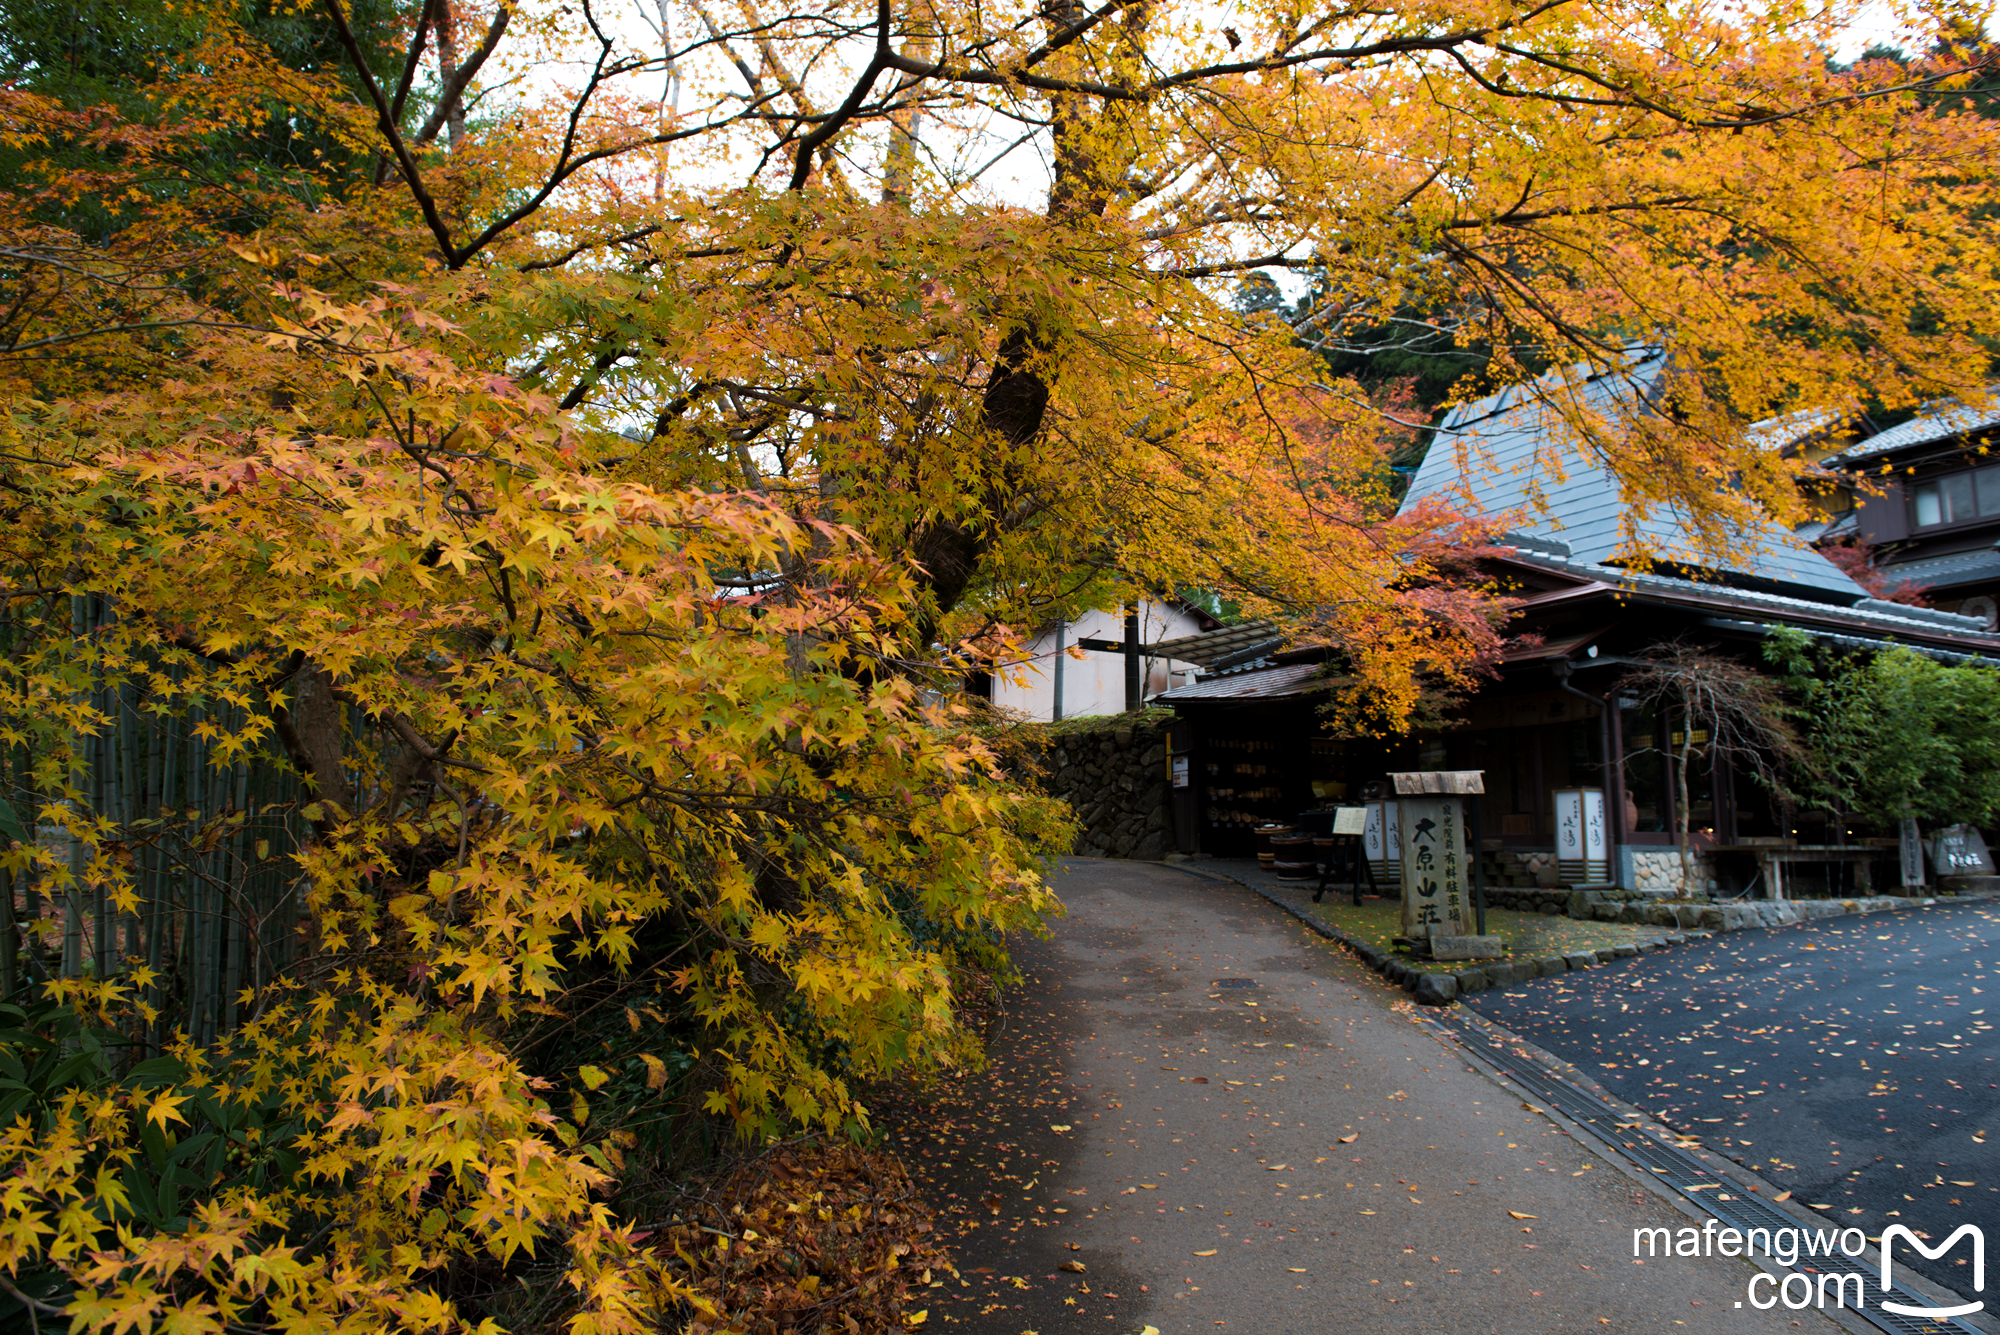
1815,1286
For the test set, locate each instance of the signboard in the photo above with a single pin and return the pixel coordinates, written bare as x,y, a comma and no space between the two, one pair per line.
1350,820
1436,870
1180,771
1583,852
1913,854
1381,843
1959,850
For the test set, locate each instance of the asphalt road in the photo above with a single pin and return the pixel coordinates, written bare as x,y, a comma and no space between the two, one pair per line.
1294,1155
1855,1060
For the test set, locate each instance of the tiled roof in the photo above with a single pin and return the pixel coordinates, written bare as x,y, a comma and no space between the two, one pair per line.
1213,646
1870,616
1956,568
1269,683
1490,449
1938,421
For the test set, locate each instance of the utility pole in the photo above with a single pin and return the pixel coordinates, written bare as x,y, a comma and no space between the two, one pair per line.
1135,696
1061,626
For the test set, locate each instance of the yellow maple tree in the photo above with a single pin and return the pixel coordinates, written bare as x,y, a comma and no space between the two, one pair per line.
531,546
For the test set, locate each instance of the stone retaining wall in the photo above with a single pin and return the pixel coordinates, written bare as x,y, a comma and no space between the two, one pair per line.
1660,873
1113,773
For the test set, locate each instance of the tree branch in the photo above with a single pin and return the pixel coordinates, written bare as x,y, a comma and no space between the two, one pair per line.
432,217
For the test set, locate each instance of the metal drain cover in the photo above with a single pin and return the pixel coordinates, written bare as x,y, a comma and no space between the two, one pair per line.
1236,982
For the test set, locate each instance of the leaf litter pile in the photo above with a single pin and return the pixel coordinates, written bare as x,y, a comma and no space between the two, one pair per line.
808,1239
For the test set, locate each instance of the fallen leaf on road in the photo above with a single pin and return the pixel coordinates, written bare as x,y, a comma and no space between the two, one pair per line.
1074,1267
1349,1140
1782,1196
1296,1269
1209,1252
1076,1246
1150,1186
1129,1191
1518,1215
1170,1068
1237,1083
1279,1168
1367,1212
1819,1207
1198,1080
1956,1183
1058,1128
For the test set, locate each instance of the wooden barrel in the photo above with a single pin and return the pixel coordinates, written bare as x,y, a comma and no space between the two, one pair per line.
1292,857
1267,833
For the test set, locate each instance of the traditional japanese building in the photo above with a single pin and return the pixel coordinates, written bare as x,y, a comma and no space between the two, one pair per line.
1261,745
1930,507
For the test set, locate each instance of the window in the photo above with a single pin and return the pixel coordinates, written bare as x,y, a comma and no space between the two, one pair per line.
1958,498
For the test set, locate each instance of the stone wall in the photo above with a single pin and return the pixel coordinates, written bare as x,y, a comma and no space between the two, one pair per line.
1113,772
1659,872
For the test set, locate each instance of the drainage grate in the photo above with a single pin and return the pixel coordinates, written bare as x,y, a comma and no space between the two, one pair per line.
1690,1176
1236,982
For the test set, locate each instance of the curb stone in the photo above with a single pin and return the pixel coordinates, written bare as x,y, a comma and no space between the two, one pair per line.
1441,988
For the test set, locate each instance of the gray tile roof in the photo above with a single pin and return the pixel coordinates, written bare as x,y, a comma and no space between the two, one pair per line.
1269,683
1955,568
1870,616
1212,646
1938,421
1490,449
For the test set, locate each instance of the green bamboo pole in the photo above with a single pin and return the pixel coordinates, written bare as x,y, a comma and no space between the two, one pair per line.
236,939
132,740
79,760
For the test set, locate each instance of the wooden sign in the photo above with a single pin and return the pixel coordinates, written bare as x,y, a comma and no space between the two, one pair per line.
1913,854
1436,870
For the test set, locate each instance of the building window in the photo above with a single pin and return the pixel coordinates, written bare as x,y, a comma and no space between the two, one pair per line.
1958,498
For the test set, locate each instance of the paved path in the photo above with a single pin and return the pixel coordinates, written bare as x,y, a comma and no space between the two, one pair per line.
1855,1061
1297,1156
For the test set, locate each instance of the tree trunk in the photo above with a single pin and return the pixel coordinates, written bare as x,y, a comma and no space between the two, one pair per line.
1683,816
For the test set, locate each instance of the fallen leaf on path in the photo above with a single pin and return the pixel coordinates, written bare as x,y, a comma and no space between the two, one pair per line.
1349,1140
1210,1252
1058,1128
1279,1168
1518,1215
1074,1267
1367,1212
1296,1269
1782,1196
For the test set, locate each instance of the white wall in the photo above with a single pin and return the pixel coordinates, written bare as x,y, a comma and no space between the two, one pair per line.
1095,683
